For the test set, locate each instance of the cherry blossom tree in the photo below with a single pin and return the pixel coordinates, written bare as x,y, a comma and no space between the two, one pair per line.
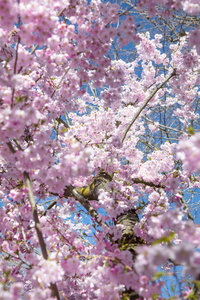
100,149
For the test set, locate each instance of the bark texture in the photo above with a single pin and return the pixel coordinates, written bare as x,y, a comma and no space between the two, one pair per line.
128,219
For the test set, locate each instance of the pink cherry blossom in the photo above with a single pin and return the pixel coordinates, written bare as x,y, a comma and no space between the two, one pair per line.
99,149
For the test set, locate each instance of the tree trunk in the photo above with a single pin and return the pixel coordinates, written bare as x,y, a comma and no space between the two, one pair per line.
128,219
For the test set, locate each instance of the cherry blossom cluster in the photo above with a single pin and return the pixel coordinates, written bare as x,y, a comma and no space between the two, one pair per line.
192,7
188,152
166,8
65,105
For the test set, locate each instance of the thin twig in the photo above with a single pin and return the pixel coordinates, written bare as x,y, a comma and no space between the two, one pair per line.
61,12
34,49
53,203
15,70
164,126
146,102
16,56
67,119
87,206
35,215
66,70
17,257
148,183
63,122
23,232
63,296
84,202
187,211
17,144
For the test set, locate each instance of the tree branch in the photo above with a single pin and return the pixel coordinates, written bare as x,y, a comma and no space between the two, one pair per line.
66,70
38,228
149,183
52,204
74,192
146,102
87,206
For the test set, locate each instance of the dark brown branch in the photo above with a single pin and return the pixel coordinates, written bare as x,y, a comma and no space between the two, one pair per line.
74,192
53,203
128,219
12,97
10,146
16,56
38,228
148,183
87,206
160,185
63,122
91,192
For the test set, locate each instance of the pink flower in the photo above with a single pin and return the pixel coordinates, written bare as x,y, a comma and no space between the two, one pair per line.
183,253
189,152
194,39
191,6
116,142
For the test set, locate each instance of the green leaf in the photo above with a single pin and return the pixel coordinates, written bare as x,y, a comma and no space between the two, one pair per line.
7,272
191,296
191,130
158,275
20,99
172,288
165,239
175,174
17,252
